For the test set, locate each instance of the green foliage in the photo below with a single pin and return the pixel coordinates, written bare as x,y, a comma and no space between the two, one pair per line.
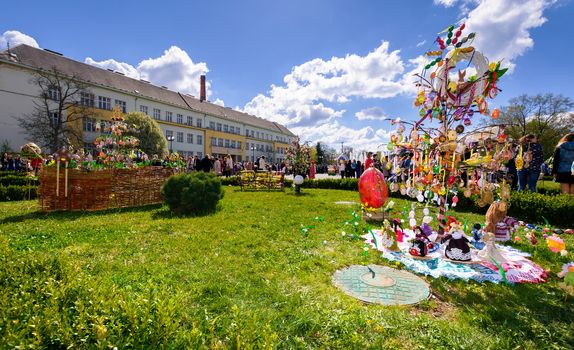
193,193
149,134
243,277
18,193
530,207
18,180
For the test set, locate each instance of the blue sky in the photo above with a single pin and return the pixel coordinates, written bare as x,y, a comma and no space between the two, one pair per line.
318,66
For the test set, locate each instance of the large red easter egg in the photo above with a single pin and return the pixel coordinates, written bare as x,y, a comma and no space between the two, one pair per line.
372,188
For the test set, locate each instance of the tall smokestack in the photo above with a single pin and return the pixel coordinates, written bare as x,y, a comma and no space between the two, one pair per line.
202,96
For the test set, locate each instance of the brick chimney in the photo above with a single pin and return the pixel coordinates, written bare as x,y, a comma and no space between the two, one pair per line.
202,96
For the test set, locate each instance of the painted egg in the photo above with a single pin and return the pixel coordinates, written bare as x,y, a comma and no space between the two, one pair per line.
372,188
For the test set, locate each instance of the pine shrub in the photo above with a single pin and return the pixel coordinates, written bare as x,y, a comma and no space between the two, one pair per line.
193,193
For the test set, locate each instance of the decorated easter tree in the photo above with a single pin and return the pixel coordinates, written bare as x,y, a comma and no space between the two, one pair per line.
454,86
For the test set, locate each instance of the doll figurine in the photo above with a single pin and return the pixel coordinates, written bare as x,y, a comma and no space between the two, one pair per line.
457,248
420,245
477,237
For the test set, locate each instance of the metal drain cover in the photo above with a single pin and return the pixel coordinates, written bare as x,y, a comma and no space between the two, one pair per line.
381,285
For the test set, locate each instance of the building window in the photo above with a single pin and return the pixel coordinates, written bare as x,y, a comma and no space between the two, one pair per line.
212,125
156,114
246,132
122,105
102,126
199,139
168,133
198,122
179,119
232,145
226,128
87,99
55,116
88,124
257,134
189,121
54,93
238,131
189,138
213,141
239,144
232,129
226,143
179,136
218,126
168,116
199,155
220,142
252,133
104,103
143,109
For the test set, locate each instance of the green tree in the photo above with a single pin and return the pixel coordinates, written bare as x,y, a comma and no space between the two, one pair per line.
320,154
148,132
548,116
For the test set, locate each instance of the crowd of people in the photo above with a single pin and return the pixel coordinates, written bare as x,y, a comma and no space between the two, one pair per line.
226,166
527,152
13,162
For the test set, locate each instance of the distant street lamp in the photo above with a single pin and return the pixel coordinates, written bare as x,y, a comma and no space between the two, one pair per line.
170,139
253,149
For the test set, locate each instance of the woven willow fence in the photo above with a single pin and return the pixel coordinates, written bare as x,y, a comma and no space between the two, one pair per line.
101,189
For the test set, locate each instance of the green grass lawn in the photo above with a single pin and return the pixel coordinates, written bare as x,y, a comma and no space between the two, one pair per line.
244,277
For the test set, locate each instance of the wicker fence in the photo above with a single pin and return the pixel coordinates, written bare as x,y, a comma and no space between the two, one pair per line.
102,189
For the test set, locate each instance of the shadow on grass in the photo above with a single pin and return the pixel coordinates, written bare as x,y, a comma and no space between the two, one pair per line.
72,215
515,307
167,213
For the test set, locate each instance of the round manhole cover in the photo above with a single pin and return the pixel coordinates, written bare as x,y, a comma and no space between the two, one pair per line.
381,285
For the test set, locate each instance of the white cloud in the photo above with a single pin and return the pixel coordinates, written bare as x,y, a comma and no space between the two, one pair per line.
447,3
174,69
421,43
14,38
125,68
502,26
367,138
302,100
219,102
371,113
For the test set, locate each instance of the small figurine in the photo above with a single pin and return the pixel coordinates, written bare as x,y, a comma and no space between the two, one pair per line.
419,247
477,236
490,251
398,229
457,248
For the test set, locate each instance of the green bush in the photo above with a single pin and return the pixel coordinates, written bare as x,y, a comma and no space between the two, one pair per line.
193,193
18,180
531,207
18,193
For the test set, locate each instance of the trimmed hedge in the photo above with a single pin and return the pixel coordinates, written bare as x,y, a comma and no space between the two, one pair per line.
19,180
557,208
18,193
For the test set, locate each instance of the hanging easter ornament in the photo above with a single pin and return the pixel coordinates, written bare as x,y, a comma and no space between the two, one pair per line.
463,91
495,113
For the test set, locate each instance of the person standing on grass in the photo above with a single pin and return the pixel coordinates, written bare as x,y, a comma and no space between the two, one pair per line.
312,170
533,158
217,166
358,169
342,168
262,164
228,165
563,163
368,161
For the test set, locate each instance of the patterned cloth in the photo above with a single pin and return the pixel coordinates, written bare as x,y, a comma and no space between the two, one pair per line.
518,269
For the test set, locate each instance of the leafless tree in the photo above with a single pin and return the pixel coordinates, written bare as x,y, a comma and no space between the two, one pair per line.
58,110
548,116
